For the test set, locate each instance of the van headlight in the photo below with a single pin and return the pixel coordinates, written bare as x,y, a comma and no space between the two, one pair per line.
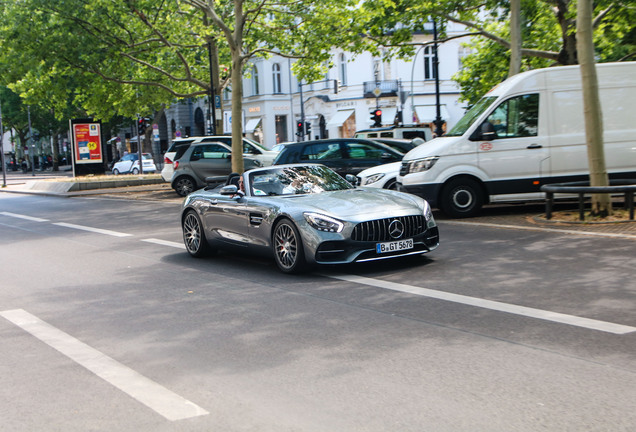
323,223
420,165
374,178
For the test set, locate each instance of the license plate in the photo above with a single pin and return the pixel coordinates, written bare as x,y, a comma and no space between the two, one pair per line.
394,246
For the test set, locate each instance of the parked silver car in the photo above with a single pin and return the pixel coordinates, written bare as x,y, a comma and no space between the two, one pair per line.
306,214
204,160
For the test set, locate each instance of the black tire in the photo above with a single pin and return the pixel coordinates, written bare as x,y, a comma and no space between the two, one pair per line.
391,184
193,235
184,186
135,171
288,247
461,197
116,171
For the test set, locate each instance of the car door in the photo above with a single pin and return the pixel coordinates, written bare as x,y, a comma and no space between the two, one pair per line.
210,160
127,163
366,154
328,153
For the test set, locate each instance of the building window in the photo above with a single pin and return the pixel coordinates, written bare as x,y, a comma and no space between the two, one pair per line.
429,70
343,70
255,88
462,53
276,78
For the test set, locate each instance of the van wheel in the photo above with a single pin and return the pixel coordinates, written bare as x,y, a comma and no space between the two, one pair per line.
461,197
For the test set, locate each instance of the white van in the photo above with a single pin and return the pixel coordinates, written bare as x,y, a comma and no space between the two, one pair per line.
525,132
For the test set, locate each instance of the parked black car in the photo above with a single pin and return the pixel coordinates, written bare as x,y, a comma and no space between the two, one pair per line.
343,155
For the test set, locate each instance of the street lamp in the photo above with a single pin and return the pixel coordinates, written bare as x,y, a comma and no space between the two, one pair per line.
438,117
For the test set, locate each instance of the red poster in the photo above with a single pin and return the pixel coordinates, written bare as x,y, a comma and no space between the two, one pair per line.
88,139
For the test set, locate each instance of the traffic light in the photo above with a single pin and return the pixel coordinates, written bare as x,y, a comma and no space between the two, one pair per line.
141,126
376,116
307,128
299,128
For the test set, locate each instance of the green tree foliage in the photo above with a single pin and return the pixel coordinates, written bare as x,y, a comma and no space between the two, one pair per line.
548,33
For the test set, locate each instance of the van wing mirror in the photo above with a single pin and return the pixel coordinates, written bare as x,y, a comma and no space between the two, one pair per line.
486,132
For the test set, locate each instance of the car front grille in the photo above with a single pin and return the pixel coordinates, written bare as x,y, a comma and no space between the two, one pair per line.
380,230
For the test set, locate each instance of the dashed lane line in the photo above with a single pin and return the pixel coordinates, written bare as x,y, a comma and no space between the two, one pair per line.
19,216
492,305
91,229
165,243
156,397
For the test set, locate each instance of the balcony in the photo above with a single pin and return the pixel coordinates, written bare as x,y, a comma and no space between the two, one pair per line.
386,88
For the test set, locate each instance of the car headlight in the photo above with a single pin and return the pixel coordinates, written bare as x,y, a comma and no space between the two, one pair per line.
428,215
323,223
423,164
374,178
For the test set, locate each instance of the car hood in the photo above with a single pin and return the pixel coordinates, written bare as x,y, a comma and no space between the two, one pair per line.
361,202
392,167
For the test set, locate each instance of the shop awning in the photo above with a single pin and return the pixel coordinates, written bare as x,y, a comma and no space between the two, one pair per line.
339,118
427,113
252,124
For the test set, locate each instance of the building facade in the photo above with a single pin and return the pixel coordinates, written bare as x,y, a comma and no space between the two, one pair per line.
274,101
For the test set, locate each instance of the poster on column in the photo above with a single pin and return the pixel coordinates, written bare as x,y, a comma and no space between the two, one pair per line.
87,138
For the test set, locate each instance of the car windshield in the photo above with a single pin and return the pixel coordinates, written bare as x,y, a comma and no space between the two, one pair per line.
469,118
296,180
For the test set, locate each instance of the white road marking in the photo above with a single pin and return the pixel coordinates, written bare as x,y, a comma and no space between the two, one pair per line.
493,305
19,216
91,229
530,228
165,243
156,397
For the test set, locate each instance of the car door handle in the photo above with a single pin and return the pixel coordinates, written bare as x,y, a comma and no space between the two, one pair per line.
534,146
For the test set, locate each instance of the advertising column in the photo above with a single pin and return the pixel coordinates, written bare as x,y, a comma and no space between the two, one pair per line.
87,147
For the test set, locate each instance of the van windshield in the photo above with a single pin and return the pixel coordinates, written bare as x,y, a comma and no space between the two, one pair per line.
469,118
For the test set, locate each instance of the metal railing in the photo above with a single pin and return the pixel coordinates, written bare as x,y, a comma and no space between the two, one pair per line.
619,186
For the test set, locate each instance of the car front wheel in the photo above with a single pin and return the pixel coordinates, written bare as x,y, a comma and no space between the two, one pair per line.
135,171
184,186
194,236
288,247
116,171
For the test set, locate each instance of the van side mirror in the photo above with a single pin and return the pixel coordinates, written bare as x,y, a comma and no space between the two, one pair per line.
484,133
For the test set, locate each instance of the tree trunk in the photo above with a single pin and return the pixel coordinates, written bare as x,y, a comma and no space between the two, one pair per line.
515,37
601,203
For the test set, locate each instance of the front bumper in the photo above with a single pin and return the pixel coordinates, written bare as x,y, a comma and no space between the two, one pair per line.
348,251
428,191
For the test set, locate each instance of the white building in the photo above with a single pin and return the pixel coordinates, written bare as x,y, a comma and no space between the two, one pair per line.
272,97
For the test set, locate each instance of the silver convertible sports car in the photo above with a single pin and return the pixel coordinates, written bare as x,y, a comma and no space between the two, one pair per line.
305,215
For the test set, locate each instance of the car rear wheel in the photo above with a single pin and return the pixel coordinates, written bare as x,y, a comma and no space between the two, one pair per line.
135,171
116,171
288,247
184,186
194,236
461,197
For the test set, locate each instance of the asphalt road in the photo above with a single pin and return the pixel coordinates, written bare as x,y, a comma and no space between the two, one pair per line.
107,324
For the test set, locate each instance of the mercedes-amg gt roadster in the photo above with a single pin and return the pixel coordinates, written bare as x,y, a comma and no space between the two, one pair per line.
306,214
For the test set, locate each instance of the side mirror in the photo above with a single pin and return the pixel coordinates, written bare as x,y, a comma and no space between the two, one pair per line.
387,156
195,157
488,131
229,190
351,179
